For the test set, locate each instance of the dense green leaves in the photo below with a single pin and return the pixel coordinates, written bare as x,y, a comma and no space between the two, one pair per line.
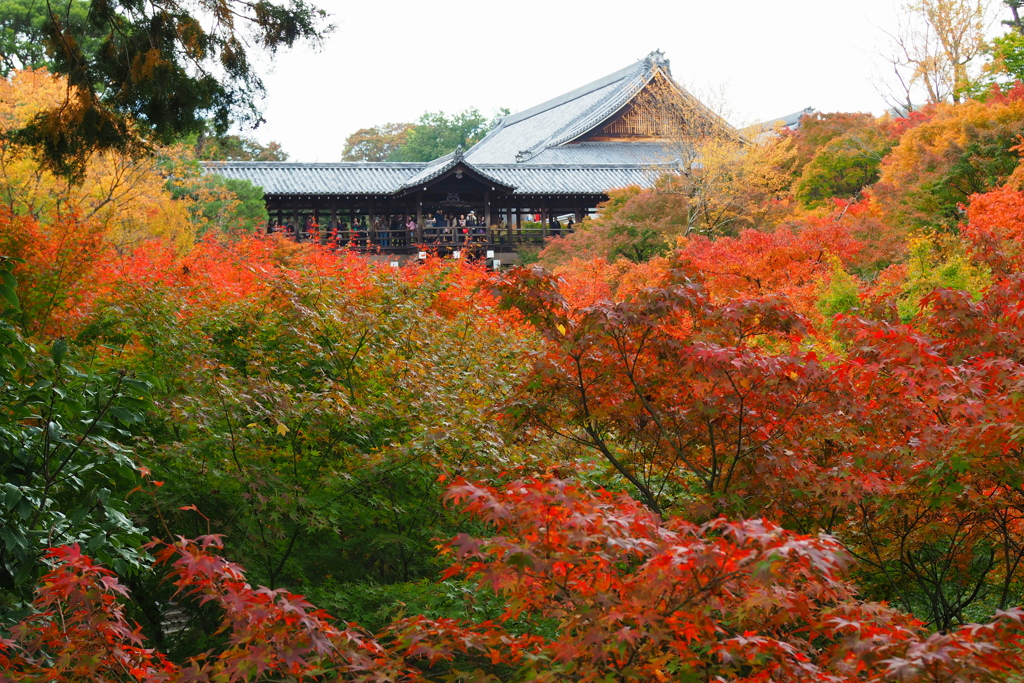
310,425
161,70
844,166
65,465
22,31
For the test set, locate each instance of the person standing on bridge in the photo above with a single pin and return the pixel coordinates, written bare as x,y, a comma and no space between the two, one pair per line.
410,225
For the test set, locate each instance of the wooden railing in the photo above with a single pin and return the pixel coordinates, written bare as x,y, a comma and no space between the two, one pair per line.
402,241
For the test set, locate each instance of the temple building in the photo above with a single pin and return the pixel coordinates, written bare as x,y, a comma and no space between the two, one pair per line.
557,159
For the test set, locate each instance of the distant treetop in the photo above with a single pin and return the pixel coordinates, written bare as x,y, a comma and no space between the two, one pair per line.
237,148
377,143
433,135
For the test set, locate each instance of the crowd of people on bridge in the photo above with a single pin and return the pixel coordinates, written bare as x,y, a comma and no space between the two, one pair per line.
400,230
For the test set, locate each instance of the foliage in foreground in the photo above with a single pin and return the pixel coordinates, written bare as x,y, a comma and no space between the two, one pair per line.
620,594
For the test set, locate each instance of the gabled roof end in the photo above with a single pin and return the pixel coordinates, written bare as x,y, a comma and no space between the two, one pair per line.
657,59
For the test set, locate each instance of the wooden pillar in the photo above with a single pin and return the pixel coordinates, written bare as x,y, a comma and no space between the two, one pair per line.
370,228
296,220
545,218
419,217
519,224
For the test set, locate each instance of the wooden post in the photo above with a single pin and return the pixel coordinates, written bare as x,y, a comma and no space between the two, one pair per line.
371,229
545,218
419,217
519,224
297,222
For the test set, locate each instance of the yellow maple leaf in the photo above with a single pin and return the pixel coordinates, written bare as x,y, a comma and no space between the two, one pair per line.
282,429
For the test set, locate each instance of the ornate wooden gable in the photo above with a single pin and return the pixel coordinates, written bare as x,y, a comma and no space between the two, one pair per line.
652,114
660,111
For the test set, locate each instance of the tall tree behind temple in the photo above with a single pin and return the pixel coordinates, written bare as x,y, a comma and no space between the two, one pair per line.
437,134
377,143
237,148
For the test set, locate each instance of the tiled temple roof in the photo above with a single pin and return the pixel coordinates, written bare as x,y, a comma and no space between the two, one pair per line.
287,178
378,178
532,152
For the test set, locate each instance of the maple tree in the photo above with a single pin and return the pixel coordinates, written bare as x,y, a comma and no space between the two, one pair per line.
789,261
732,184
634,224
940,530
80,630
845,165
595,582
309,395
640,599
957,151
64,433
817,129
995,229
681,408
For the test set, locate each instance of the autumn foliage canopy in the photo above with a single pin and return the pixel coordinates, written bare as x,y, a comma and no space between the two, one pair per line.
759,422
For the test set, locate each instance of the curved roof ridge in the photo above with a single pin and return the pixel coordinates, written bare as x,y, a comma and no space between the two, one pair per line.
597,112
628,74
316,164
577,93
577,166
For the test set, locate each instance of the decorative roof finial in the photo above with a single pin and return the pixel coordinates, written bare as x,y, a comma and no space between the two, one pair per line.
457,157
657,58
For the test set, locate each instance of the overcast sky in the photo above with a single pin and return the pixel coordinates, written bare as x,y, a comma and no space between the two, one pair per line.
391,60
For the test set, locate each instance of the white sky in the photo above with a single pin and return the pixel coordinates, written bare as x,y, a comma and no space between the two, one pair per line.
391,60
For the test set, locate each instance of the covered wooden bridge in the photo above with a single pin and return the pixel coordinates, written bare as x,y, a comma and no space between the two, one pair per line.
536,173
